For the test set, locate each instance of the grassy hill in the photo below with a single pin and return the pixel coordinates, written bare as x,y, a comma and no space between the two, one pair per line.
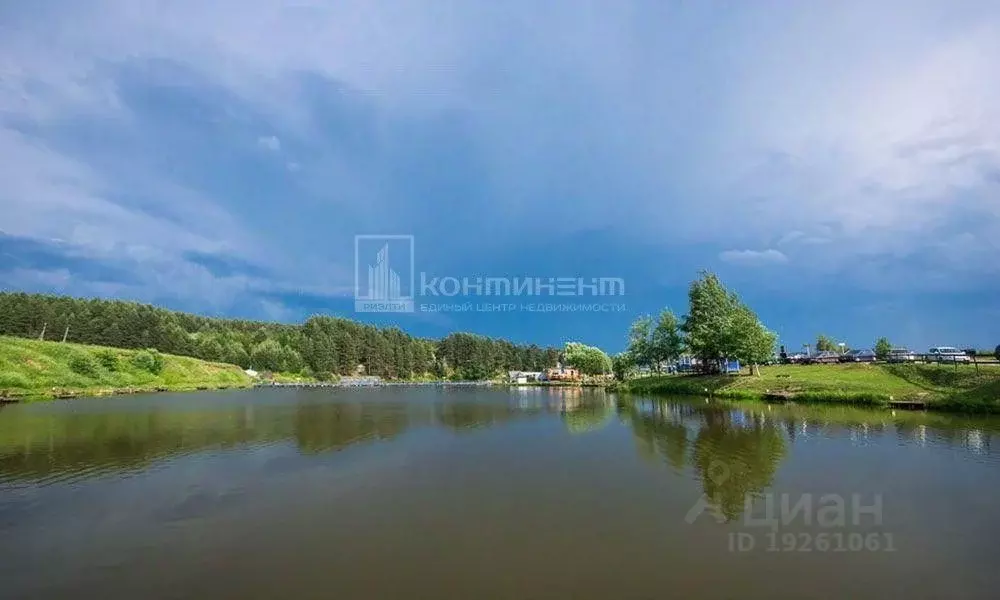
940,386
31,369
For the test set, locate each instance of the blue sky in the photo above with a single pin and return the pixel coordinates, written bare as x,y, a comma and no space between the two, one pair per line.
837,163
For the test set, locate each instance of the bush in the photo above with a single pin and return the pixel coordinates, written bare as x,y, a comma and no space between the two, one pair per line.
209,348
234,353
324,376
108,359
291,361
267,356
996,353
84,363
148,360
13,380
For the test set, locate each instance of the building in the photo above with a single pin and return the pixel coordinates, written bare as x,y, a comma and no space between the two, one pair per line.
562,373
524,376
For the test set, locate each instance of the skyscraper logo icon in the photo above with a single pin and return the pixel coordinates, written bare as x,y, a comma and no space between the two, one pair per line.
383,282
383,273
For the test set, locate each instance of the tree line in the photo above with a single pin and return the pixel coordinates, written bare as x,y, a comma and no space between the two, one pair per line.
825,343
323,346
717,326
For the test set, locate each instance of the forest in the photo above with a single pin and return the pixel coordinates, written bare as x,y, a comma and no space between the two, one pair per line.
322,347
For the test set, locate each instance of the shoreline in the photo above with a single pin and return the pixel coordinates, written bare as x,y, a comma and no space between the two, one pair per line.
50,371
67,393
860,401
81,393
914,388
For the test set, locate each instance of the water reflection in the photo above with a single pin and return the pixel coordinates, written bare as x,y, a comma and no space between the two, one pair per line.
736,449
468,493
46,444
335,426
733,449
735,454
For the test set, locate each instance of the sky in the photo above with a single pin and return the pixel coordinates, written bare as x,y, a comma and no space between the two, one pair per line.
836,163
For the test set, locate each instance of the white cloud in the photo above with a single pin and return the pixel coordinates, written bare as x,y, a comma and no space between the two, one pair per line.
862,128
754,258
269,142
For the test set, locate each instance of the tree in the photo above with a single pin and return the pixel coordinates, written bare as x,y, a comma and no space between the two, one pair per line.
325,344
666,342
235,354
882,348
323,353
291,361
267,356
753,343
209,348
825,344
707,323
622,365
588,359
996,352
719,325
639,346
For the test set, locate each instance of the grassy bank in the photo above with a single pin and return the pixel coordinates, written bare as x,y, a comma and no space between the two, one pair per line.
30,370
939,386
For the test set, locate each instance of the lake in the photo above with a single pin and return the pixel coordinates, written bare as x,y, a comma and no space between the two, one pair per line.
473,493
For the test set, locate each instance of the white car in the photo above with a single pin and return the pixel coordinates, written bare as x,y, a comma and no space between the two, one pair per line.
901,355
946,354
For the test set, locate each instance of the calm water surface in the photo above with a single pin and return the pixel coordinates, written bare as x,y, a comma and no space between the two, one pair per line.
467,493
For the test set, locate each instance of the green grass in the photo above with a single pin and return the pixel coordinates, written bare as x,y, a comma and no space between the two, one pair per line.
30,370
297,378
939,386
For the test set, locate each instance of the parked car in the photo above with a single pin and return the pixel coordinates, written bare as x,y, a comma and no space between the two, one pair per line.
859,355
796,358
949,354
901,355
822,358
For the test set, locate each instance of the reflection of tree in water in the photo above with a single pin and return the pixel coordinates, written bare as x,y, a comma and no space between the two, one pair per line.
736,460
734,453
61,444
586,417
658,433
474,415
322,427
35,447
461,416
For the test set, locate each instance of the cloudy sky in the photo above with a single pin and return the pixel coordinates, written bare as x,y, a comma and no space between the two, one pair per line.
838,163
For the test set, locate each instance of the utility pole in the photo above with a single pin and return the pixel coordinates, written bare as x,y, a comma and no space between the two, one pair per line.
66,334
41,337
